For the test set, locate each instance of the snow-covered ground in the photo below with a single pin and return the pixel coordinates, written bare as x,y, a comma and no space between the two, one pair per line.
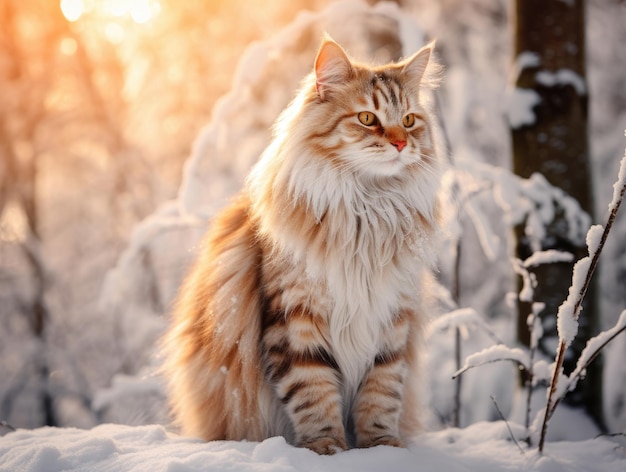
482,447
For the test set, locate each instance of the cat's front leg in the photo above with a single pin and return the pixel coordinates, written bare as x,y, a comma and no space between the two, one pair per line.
379,400
306,378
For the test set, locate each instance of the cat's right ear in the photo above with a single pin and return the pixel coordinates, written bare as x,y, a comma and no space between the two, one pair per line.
332,67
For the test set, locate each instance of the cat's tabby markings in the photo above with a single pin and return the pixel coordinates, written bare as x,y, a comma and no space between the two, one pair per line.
301,315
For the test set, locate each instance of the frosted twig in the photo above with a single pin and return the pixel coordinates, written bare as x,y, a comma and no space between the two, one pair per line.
572,307
493,354
456,416
536,330
463,317
507,424
456,413
592,350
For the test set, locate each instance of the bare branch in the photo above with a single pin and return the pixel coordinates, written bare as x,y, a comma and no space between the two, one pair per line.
493,399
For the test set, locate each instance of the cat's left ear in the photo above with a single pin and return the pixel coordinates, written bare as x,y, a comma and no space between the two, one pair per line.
421,69
332,67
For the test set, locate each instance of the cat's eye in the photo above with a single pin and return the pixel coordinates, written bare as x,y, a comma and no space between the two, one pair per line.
408,120
367,118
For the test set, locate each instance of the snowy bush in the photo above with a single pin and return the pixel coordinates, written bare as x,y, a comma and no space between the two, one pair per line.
567,323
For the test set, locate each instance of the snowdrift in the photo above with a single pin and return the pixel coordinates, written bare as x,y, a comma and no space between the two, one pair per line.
484,447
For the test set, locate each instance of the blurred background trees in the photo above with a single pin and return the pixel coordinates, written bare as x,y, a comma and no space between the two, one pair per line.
100,102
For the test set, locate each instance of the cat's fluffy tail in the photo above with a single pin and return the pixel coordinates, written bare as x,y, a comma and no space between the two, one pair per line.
212,358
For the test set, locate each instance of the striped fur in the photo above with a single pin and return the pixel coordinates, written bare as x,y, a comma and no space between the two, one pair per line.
301,316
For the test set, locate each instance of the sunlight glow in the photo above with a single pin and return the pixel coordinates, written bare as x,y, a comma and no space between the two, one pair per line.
68,46
144,11
114,32
72,9
116,7
139,11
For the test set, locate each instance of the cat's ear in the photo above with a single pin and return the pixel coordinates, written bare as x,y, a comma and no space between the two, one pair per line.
332,67
421,69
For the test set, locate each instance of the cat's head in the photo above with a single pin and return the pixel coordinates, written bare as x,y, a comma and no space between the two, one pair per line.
354,131
371,120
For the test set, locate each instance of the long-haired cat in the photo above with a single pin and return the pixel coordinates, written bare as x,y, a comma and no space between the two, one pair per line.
301,314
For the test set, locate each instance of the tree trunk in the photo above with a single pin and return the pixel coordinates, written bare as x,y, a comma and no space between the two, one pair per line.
550,54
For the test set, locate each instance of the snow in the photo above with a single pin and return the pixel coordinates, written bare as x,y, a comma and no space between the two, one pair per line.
593,346
533,202
455,319
495,353
567,315
125,384
550,256
562,77
529,281
526,60
489,241
542,371
594,238
519,107
461,318
620,185
521,101
535,325
484,447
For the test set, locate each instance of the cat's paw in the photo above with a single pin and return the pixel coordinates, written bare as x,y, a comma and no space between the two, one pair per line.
386,440
327,445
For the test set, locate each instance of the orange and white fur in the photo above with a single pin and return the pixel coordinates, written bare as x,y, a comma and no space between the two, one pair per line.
301,315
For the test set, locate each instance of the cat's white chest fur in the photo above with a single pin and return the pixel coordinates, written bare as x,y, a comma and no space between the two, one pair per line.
363,265
366,290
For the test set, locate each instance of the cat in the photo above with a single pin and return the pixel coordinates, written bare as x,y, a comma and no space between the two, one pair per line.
301,315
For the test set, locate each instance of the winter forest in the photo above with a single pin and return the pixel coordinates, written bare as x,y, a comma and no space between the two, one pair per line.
126,125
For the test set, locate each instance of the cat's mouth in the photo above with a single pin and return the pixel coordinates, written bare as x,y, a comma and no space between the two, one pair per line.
387,162
395,156
392,163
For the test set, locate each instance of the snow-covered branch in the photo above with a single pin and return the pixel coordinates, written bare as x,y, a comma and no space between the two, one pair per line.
592,349
567,316
496,353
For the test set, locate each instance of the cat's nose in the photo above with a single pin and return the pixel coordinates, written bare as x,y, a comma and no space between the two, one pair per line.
399,144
